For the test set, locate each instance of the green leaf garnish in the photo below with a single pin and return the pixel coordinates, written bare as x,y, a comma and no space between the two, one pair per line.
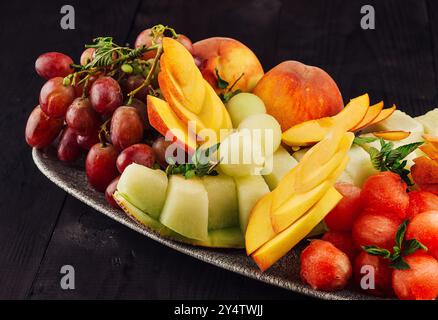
201,164
389,158
401,249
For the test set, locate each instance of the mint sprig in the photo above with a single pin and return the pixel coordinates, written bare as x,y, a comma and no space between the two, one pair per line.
389,158
402,248
201,164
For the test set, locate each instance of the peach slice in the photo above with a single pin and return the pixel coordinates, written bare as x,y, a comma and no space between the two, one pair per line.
165,121
430,150
188,94
312,131
279,246
317,164
296,206
431,139
259,229
386,113
392,135
372,113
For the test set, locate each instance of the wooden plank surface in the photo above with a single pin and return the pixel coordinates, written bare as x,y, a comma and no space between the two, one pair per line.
42,229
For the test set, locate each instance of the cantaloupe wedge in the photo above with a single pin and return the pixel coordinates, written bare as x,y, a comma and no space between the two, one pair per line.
282,243
296,206
392,135
372,113
312,131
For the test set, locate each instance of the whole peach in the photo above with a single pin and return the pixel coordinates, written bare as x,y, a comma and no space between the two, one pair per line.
294,92
232,59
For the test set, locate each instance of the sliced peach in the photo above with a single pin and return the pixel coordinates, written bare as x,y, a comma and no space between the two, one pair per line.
165,121
372,113
312,131
311,173
181,76
319,158
279,246
296,206
431,139
392,135
425,172
386,113
259,229
430,150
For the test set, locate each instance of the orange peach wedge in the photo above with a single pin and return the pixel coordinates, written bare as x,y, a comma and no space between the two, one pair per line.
392,135
431,139
310,132
372,113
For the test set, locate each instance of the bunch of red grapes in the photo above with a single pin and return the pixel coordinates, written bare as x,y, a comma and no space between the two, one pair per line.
98,116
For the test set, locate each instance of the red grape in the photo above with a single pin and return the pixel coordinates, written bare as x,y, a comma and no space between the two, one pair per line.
86,142
133,82
142,111
53,64
126,127
137,153
105,95
145,39
41,130
55,97
81,117
112,187
160,146
87,56
68,148
100,165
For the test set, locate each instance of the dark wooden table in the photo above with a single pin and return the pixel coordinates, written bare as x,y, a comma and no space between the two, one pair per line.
42,228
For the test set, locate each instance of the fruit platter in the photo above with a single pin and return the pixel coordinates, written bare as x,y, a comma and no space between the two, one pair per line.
267,174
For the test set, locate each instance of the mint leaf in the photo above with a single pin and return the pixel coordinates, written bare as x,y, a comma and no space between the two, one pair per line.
400,264
407,149
376,251
412,245
401,249
401,231
376,158
363,140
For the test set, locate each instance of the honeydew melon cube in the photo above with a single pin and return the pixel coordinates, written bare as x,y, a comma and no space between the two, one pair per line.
276,167
429,122
223,209
359,168
186,207
250,189
144,187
